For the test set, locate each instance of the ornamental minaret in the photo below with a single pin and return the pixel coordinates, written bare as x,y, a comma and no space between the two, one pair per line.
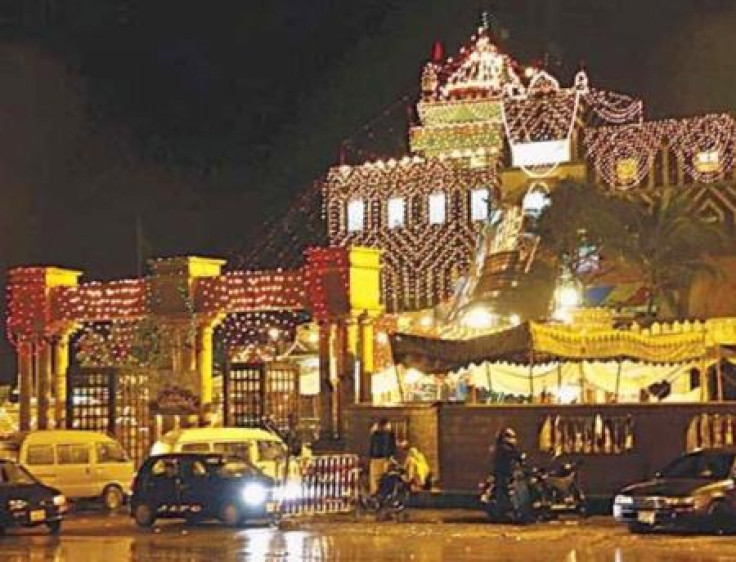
461,106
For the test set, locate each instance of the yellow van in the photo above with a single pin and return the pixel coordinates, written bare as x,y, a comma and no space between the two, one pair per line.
81,464
261,448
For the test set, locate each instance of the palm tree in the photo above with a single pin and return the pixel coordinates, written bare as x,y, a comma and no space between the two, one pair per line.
670,243
581,222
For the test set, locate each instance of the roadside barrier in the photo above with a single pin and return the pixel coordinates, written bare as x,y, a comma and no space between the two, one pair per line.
327,484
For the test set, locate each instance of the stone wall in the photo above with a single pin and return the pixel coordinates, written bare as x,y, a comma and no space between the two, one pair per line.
456,437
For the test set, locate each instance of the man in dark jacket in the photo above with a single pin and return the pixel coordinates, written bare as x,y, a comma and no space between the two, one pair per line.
381,448
506,460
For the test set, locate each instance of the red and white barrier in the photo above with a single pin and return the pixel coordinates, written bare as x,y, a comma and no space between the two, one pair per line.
327,484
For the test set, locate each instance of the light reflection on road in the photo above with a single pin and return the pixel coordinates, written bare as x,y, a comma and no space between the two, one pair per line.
429,543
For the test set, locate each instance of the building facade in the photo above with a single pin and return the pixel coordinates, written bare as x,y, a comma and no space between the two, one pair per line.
490,131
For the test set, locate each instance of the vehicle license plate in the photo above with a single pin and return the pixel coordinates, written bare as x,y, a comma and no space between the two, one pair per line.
38,515
646,517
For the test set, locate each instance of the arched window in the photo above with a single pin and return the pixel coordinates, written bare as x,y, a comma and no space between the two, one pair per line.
480,204
535,200
356,215
396,212
437,208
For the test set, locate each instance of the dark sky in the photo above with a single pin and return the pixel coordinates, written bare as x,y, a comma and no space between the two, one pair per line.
203,119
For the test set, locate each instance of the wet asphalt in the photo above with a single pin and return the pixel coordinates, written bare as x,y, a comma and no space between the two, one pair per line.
427,536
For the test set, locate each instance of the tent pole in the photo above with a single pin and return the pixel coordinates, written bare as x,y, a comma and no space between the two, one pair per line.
704,394
582,382
531,376
559,380
618,381
719,374
399,383
488,376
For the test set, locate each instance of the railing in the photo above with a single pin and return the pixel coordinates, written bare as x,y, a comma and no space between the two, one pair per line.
327,484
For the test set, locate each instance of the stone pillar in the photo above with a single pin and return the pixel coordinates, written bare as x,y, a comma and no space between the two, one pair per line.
61,366
25,384
205,362
326,390
43,373
347,351
365,354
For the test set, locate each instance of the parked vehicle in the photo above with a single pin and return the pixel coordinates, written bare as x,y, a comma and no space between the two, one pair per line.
390,500
694,491
25,502
82,464
535,494
261,448
561,490
202,486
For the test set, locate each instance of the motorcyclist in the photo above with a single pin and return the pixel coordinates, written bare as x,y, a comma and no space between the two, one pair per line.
507,461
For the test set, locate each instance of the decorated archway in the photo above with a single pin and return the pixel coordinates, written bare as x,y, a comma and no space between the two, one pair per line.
164,323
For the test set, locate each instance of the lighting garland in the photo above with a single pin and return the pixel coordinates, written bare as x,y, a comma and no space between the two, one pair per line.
421,261
29,313
124,299
624,155
327,281
244,329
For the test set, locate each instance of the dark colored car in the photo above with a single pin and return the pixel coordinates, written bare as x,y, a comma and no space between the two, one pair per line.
197,486
25,502
696,491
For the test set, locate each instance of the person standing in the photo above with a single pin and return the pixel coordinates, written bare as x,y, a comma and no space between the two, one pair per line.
506,460
381,449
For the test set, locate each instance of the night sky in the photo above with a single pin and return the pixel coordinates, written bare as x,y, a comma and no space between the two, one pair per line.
200,121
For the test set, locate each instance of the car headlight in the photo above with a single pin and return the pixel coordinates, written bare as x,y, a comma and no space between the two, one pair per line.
623,500
59,500
14,505
681,502
255,494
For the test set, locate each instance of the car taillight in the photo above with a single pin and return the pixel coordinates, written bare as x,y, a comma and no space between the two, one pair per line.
132,481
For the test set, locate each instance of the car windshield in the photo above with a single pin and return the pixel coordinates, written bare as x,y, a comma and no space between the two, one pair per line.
15,474
707,466
233,468
271,451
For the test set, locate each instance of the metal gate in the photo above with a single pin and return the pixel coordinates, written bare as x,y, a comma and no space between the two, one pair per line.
112,401
254,390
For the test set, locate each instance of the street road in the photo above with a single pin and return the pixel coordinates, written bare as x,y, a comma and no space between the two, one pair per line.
429,536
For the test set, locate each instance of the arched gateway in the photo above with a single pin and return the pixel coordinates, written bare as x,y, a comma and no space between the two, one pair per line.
163,325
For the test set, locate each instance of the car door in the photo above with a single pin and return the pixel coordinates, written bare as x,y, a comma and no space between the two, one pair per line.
196,490
74,470
161,487
112,465
40,461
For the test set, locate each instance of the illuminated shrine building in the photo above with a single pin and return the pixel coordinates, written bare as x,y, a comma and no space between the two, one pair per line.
493,131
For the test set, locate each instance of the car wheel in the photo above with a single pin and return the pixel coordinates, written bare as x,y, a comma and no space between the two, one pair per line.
230,515
144,515
721,518
54,527
640,529
113,498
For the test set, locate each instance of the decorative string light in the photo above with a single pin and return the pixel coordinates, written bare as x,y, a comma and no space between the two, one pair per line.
702,146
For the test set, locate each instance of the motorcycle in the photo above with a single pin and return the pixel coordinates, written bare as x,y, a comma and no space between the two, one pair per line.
390,500
562,490
534,494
